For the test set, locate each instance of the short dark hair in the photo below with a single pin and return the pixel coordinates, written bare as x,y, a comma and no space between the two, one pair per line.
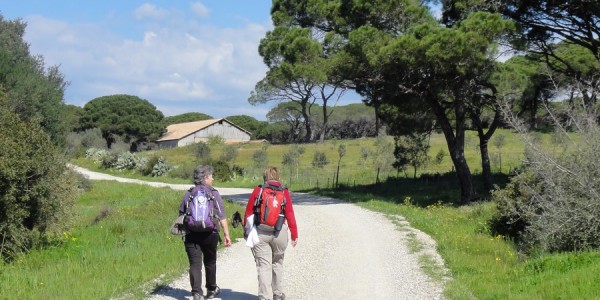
201,172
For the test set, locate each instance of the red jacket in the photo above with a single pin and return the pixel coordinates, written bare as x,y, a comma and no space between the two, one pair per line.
289,208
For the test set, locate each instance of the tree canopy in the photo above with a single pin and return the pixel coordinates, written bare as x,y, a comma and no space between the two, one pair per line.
547,22
395,51
249,123
186,117
35,93
36,188
131,117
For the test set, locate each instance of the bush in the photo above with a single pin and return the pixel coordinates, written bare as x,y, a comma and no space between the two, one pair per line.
552,204
229,153
126,161
161,167
185,171
96,155
215,140
202,152
73,145
260,157
238,171
222,171
320,160
141,163
147,167
109,160
37,190
83,183
92,138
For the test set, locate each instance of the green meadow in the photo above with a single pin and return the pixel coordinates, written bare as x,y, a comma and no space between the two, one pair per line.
119,245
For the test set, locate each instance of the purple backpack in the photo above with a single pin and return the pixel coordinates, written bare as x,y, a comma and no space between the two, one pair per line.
200,211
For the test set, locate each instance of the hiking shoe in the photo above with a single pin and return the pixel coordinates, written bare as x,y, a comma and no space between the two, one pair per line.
213,293
197,296
279,297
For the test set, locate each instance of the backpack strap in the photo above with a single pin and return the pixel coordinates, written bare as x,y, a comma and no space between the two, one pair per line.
211,197
256,208
284,200
188,212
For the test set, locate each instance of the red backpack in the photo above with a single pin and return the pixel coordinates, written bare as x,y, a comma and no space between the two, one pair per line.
269,206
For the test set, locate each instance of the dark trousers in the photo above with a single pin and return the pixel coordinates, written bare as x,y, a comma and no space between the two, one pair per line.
202,248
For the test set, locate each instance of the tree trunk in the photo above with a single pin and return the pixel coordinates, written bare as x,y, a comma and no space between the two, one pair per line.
456,146
377,104
306,116
109,138
484,138
534,109
337,174
486,170
325,120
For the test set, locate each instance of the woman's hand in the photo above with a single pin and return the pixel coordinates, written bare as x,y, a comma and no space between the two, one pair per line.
294,242
227,240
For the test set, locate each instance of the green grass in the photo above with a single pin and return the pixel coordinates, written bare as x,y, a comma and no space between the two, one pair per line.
481,266
354,170
484,266
120,243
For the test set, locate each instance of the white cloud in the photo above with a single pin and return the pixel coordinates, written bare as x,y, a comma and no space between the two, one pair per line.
149,38
148,10
176,64
199,9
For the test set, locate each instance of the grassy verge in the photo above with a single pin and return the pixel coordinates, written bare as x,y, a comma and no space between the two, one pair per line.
119,243
487,267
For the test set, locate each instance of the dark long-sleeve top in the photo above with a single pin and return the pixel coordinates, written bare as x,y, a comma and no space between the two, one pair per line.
289,208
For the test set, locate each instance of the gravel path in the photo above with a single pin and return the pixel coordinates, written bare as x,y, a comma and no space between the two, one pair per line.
343,252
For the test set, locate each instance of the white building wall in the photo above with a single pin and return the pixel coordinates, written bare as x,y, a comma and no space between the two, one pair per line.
229,132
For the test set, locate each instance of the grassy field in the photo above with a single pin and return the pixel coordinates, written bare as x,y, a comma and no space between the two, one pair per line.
119,246
355,168
112,231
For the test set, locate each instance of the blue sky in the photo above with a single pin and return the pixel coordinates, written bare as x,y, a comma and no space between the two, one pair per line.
182,56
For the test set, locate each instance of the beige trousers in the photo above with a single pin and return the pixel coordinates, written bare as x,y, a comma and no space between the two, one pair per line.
268,255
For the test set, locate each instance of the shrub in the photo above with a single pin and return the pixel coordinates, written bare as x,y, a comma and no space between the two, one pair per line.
147,167
141,163
215,140
238,171
37,190
125,161
260,158
185,171
160,168
552,204
96,155
83,183
73,145
202,152
92,138
320,160
222,171
229,153
109,160
119,145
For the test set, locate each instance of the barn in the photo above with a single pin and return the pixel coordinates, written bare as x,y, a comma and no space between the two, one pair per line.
183,134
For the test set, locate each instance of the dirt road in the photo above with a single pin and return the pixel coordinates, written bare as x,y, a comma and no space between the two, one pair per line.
343,252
